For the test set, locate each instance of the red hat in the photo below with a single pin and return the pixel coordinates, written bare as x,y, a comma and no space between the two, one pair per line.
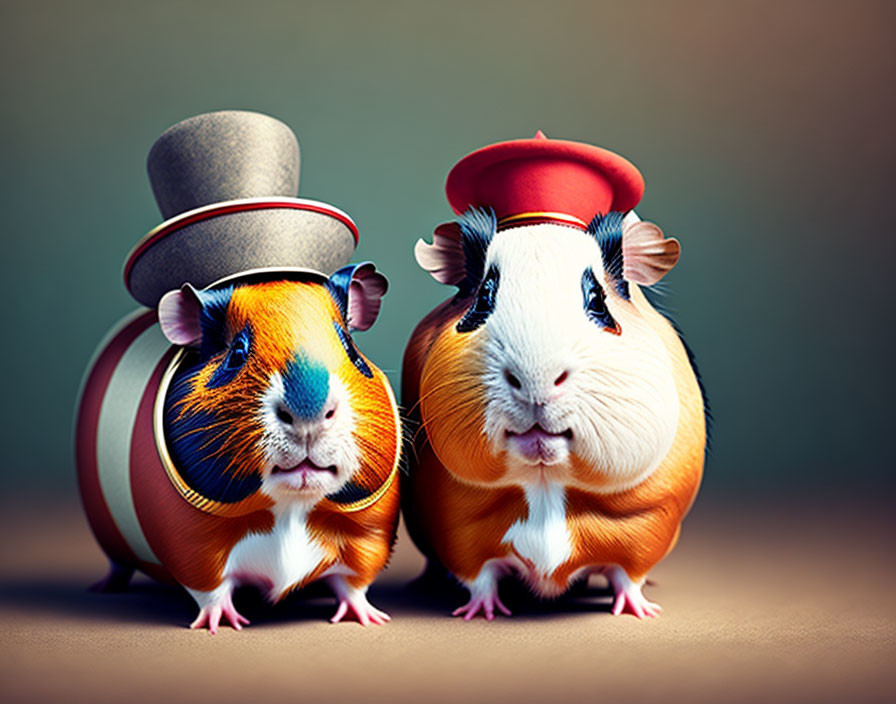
544,180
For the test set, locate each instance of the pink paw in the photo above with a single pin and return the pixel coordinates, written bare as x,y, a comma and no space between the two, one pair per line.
636,605
628,597
360,608
211,616
486,603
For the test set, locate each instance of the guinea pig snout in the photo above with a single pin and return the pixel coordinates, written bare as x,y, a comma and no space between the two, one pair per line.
290,419
303,402
536,386
305,393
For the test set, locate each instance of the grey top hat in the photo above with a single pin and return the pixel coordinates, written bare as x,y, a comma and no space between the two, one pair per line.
227,182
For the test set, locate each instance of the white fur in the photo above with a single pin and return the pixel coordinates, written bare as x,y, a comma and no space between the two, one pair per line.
619,397
323,441
543,536
283,557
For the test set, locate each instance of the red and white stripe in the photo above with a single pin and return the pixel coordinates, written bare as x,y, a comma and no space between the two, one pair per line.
111,422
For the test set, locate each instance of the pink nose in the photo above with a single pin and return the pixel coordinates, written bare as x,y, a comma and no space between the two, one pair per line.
536,390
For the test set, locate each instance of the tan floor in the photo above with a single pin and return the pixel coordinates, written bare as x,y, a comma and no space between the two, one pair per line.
760,605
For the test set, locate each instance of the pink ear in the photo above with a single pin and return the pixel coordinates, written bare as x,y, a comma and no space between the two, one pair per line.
365,292
647,256
179,316
444,258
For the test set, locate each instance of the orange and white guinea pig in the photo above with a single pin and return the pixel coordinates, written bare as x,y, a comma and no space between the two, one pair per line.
262,448
562,421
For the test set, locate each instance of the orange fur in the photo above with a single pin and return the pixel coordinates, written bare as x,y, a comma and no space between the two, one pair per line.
195,545
462,525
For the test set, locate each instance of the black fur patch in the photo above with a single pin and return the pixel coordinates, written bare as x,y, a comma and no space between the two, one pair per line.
607,230
477,227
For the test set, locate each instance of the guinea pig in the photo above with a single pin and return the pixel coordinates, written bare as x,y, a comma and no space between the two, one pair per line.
562,425
260,448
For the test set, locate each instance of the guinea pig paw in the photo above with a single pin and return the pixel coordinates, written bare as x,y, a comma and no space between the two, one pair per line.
361,609
211,616
628,597
487,603
637,605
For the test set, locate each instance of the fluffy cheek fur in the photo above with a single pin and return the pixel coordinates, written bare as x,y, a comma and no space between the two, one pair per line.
452,405
326,443
623,407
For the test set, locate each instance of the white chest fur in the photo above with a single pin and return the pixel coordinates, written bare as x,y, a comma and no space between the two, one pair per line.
282,558
543,537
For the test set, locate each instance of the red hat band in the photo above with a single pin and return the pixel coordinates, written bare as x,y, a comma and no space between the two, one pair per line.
527,181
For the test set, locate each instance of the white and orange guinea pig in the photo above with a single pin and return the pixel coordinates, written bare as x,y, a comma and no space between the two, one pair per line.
260,449
562,422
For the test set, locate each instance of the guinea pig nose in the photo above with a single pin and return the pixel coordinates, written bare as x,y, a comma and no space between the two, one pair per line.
284,416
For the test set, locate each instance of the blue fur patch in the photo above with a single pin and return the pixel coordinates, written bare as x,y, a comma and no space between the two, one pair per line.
212,320
351,351
477,227
195,440
338,285
306,385
607,230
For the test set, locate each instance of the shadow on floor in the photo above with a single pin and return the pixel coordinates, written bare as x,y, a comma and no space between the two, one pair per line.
147,601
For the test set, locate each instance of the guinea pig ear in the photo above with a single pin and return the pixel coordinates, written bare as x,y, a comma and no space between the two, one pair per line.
195,318
647,256
358,290
444,258
179,315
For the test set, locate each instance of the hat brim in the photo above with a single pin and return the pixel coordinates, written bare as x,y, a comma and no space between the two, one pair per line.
212,243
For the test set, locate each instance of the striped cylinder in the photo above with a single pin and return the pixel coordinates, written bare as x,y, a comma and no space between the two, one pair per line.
114,443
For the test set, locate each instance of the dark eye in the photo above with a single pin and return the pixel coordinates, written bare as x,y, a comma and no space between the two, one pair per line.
239,352
236,357
596,303
354,356
484,303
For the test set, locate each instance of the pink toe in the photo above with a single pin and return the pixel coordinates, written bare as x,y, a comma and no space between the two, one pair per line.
340,612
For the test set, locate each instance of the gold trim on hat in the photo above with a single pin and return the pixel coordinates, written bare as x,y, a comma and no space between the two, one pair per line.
562,217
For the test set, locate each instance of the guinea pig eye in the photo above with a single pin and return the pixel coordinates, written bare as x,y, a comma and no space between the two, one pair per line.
234,360
239,352
354,356
484,304
596,303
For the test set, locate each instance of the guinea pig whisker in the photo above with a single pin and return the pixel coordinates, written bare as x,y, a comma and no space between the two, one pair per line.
457,410
439,387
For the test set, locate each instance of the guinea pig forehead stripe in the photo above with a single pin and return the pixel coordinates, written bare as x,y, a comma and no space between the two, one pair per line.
306,386
607,230
477,227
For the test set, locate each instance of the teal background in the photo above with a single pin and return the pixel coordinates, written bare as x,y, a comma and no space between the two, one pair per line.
764,131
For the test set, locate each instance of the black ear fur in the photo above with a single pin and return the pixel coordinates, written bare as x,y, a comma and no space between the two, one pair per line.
607,230
477,226
213,319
